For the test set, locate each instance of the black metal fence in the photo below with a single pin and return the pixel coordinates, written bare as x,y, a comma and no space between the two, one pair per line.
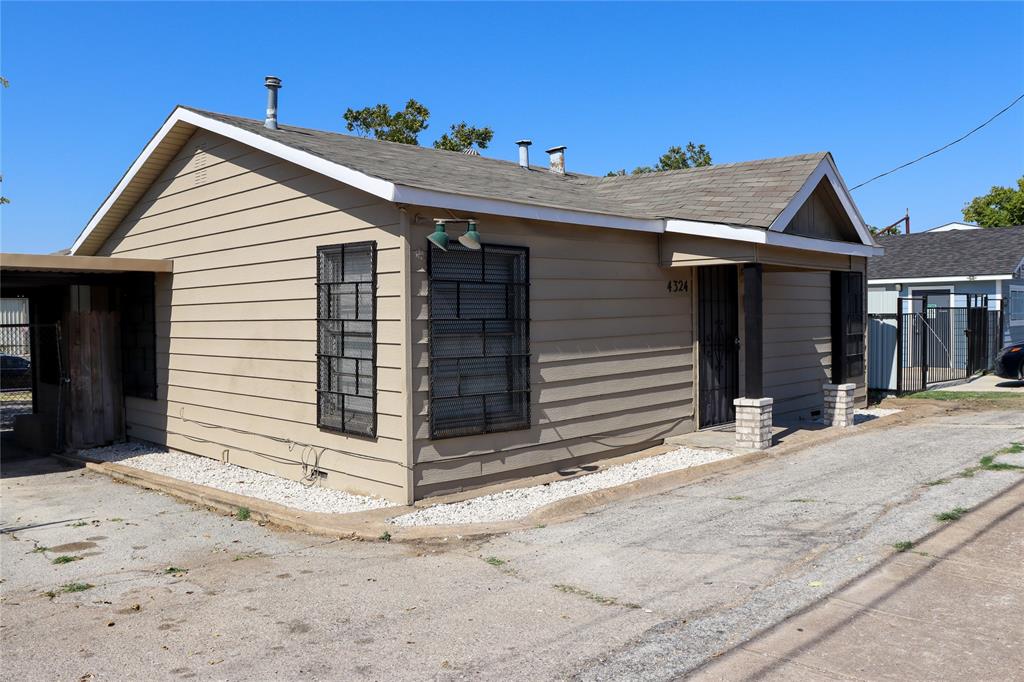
939,344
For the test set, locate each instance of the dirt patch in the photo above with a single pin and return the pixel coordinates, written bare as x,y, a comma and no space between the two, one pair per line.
73,547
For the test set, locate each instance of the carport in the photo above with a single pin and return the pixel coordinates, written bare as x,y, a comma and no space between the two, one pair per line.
88,340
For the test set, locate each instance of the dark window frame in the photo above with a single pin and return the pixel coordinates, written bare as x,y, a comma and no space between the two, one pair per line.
849,321
323,322
138,335
523,394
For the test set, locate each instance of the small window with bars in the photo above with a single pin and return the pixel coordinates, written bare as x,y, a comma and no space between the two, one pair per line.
346,338
479,340
847,326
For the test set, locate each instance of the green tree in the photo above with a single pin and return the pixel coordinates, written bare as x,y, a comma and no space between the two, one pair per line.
463,136
694,156
402,126
1001,207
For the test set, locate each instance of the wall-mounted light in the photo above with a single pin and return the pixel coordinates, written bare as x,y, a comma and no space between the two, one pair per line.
471,239
440,237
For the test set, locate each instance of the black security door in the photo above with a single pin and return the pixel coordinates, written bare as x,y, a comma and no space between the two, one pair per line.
718,335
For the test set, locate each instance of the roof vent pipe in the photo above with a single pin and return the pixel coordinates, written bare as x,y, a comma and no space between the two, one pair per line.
524,153
273,83
557,163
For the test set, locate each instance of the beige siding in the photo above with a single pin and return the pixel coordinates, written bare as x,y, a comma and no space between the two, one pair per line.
237,319
611,364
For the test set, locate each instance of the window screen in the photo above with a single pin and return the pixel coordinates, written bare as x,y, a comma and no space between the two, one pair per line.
346,338
847,326
479,340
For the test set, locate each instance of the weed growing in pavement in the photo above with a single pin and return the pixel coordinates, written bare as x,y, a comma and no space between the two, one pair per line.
243,514
952,515
903,545
989,463
50,594
587,594
801,499
495,561
175,571
76,587
39,549
78,524
65,559
937,481
735,498
385,536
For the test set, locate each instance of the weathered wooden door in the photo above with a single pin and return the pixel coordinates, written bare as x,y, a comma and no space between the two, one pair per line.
718,336
95,402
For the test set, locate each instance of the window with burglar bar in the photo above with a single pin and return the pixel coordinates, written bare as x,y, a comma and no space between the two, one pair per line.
847,326
346,338
479,340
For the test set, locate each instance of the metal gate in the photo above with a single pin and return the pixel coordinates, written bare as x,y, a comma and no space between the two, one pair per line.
718,334
30,355
932,344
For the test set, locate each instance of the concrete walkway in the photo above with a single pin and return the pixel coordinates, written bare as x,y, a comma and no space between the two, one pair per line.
988,383
949,609
650,588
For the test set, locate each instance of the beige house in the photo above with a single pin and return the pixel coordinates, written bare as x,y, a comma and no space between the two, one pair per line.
304,325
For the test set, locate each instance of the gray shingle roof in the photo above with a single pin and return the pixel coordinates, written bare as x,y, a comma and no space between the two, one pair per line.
957,253
749,193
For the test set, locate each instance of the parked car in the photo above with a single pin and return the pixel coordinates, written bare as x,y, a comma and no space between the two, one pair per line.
15,373
1010,363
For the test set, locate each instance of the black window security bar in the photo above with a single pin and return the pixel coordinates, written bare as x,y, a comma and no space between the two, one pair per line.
848,325
346,338
479,340
138,335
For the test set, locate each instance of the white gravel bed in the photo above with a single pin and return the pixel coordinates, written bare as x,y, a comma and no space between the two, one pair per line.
510,505
871,413
234,479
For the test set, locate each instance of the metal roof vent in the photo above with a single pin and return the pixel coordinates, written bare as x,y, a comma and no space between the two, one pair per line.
273,84
469,151
557,163
524,153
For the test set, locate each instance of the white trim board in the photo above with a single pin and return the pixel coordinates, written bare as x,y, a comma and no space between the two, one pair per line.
922,280
757,235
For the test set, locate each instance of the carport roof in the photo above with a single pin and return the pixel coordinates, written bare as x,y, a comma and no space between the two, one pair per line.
33,262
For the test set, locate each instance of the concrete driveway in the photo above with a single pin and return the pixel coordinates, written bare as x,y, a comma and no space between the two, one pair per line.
646,589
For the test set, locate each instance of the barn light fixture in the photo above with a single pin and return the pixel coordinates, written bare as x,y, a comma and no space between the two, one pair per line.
440,239
471,240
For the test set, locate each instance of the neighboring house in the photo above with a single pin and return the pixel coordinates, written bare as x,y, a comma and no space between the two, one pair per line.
948,266
309,328
953,226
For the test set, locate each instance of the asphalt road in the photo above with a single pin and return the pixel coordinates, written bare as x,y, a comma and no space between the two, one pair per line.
645,589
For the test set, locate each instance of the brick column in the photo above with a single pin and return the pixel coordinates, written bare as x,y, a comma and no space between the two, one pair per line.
839,404
753,423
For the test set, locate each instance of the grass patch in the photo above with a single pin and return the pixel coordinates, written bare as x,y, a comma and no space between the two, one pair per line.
76,587
65,559
243,514
903,545
953,514
385,536
175,571
597,598
495,561
988,396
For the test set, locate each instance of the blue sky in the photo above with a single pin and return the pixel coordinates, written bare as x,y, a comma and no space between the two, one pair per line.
875,83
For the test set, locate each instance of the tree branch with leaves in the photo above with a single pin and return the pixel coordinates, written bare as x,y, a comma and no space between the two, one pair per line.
694,156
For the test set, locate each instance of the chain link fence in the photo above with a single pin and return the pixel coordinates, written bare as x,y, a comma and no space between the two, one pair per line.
15,372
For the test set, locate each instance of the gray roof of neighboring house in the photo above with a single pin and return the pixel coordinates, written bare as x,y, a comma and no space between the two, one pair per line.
956,253
751,193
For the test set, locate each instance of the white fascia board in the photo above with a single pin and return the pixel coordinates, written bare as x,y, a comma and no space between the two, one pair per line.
470,204
759,235
933,280
825,169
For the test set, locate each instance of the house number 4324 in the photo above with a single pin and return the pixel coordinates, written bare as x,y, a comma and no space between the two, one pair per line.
677,286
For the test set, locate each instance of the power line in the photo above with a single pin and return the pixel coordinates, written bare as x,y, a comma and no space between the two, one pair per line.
945,146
